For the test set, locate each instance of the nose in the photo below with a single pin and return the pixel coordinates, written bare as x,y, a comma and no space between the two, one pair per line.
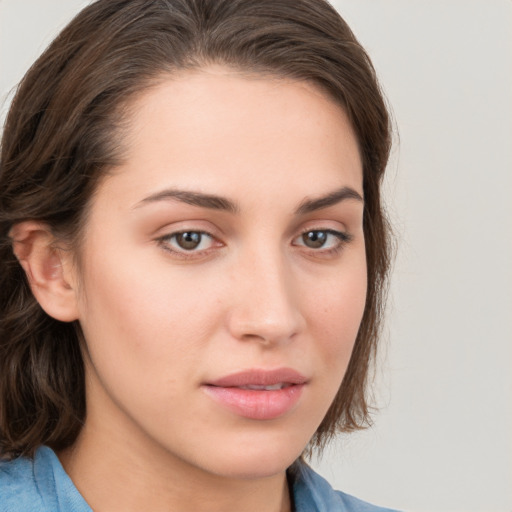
265,304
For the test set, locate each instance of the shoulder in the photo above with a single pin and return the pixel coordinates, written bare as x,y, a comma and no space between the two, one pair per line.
313,493
18,486
39,483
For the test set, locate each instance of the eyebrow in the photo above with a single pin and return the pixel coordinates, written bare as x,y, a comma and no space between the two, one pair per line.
210,201
215,202
342,194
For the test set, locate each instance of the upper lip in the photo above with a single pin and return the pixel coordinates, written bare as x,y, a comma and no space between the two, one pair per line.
260,377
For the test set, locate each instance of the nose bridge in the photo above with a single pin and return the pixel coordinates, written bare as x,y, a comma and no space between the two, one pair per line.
266,306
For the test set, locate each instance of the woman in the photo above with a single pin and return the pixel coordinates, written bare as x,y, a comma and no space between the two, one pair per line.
193,258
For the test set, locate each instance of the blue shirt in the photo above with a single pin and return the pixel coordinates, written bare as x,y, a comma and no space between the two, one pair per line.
42,485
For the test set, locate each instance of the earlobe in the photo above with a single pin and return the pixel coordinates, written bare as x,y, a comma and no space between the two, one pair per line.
48,269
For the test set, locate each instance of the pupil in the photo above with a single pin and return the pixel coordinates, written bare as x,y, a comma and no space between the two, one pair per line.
189,240
314,239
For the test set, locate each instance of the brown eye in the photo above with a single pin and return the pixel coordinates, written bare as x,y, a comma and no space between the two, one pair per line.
315,239
322,240
189,240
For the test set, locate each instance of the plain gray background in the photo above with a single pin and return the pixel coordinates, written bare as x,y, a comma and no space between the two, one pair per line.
442,440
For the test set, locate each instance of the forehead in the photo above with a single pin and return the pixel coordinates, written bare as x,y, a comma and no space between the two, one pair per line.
215,127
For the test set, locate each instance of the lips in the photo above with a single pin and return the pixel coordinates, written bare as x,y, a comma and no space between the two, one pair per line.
258,394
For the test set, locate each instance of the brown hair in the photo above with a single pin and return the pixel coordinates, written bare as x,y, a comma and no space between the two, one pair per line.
60,137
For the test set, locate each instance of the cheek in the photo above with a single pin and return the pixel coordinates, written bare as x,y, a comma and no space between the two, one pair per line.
335,312
138,321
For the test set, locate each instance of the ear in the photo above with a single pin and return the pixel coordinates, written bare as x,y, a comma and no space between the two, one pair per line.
49,269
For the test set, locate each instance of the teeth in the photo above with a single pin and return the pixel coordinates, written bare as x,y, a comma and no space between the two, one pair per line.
274,387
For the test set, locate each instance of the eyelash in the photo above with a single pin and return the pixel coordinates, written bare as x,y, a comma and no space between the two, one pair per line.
164,242
343,239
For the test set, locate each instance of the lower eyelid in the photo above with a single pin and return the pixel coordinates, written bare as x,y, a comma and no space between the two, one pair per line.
166,241
341,236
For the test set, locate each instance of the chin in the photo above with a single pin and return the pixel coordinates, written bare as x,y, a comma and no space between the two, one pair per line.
251,468
255,459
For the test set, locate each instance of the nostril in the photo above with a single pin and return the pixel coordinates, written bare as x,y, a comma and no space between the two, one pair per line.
264,331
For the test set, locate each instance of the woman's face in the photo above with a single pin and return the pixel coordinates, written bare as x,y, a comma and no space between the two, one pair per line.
223,274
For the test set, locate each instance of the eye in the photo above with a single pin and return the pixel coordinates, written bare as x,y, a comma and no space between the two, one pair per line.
187,241
325,239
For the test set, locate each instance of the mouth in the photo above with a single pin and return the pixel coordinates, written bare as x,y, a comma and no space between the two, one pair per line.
258,394
273,387
260,378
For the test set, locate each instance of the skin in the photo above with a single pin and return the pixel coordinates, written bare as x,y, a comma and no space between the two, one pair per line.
160,321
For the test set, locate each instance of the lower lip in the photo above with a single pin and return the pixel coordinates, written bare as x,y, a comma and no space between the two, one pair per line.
256,404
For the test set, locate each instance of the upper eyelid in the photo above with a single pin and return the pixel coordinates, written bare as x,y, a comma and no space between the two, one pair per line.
338,233
341,234
183,254
169,234
326,229
185,230
343,239
181,231
193,225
